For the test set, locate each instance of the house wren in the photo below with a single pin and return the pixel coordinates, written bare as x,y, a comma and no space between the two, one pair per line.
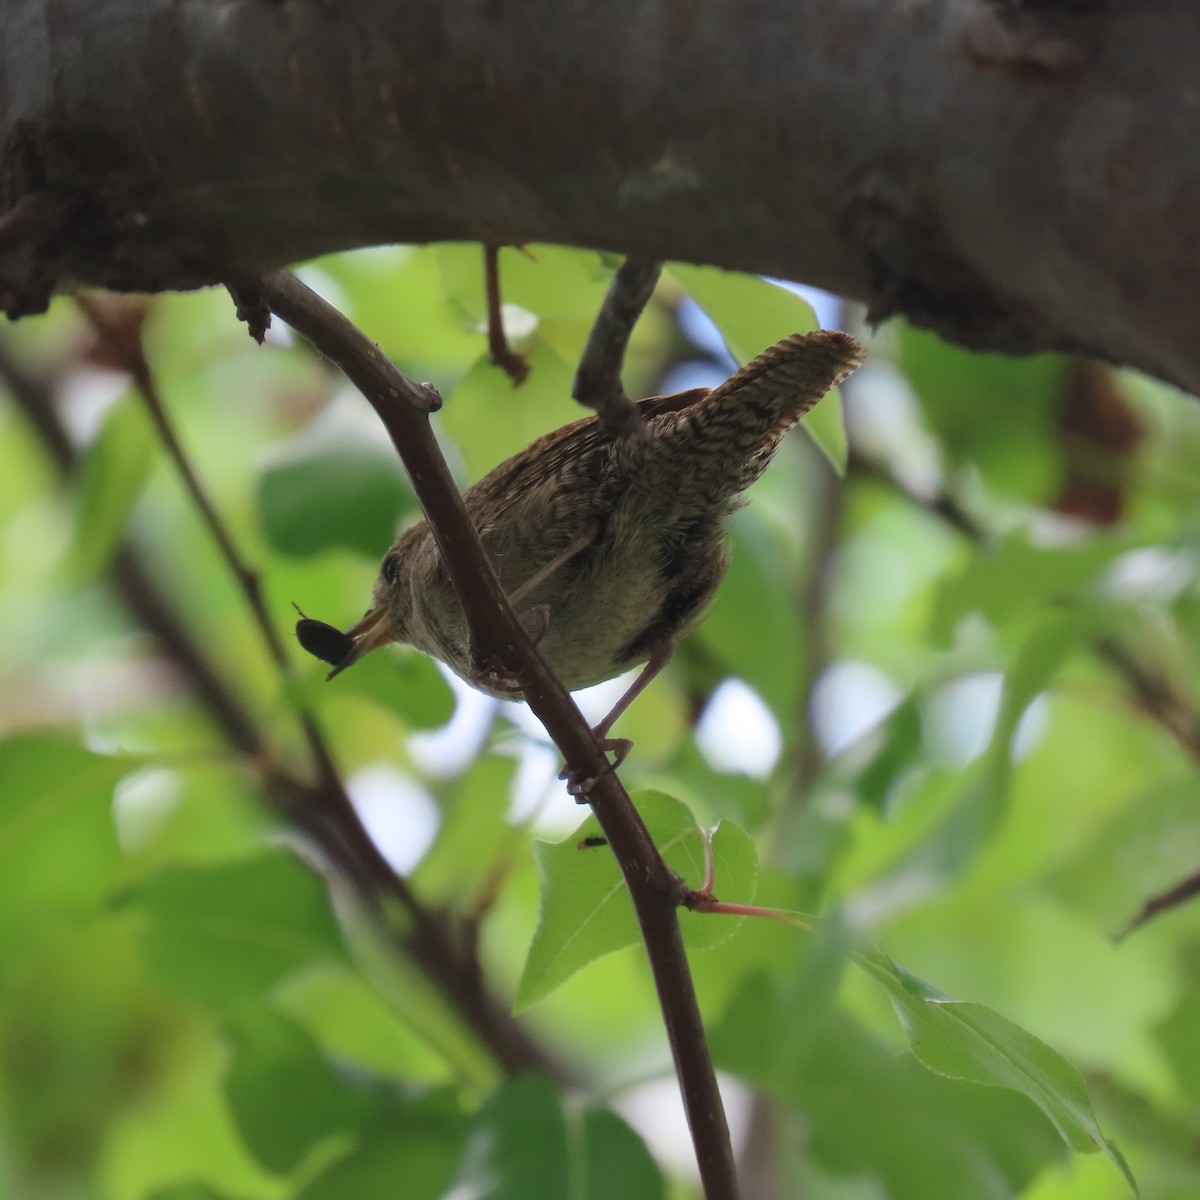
609,547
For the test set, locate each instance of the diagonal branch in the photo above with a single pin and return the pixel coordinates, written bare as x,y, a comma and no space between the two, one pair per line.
403,408
598,379
1176,896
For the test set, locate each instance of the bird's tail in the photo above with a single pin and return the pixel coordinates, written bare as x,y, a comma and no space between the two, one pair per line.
729,435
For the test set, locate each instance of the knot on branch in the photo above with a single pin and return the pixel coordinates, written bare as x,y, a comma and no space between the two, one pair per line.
32,233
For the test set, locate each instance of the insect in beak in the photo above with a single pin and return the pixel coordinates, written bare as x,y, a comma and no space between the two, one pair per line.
339,649
369,634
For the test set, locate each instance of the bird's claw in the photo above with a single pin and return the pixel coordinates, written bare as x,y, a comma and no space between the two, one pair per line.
580,783
535,620
489,674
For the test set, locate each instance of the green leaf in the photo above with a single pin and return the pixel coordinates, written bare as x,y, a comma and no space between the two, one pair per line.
524,1147
899,748
285,1096
474,834
799,988
747,630
518,1147
392,295
1013,577
490,420
560,283
324,490
58,845
616,1163
411,1154
953,844
585,907
971,1042
402,680
877,1116
995,412
189,1191
86,1036
1152,843
227,933
114,470
752,313
1178,1035
552,282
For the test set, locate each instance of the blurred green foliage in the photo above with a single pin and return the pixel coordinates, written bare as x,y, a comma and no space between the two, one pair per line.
966,777
586,910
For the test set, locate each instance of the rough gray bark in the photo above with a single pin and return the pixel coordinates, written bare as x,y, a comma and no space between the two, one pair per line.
1017,174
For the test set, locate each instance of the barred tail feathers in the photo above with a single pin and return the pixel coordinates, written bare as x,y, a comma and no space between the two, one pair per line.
731,434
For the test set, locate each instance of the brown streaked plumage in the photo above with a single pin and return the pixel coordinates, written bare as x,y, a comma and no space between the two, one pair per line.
613,547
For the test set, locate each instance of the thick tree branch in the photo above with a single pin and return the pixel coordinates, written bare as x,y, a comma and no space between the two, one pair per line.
656,891
1015,176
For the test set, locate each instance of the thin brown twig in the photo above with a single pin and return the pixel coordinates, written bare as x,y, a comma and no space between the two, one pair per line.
127,350
1175,896
502,354
341,827
1154,694
321,808
498,635
598,379
134,584
124,344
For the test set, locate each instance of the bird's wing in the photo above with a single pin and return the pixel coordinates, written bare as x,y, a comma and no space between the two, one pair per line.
562,478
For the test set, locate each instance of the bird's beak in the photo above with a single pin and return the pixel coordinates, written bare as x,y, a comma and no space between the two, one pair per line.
369,634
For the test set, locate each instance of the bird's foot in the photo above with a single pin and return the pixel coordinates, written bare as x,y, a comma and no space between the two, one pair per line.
580,783
535,620
489,674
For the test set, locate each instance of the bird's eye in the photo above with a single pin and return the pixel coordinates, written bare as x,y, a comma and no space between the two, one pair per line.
391,565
